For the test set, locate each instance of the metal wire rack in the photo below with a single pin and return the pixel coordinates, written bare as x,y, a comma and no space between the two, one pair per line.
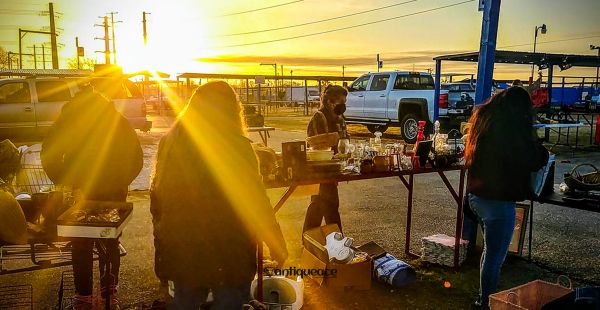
16,297
66,290
32,179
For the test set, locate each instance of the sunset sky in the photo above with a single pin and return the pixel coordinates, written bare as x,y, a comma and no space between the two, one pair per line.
204,36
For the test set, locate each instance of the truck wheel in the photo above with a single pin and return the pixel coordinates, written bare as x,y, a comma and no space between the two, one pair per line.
409,128
374,128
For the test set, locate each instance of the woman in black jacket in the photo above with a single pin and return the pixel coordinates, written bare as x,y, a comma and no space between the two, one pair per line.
501,153
209,205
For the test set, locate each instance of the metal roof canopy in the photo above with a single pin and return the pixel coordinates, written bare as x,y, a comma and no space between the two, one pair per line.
543,60
193,75
147,73
46,72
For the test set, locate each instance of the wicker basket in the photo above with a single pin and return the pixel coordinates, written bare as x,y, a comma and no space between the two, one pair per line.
583,182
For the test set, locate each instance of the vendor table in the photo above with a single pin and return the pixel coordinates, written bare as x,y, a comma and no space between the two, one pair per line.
555,198
407,179
558,129
263,132
588,119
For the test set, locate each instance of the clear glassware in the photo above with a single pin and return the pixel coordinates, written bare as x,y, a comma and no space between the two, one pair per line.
344,146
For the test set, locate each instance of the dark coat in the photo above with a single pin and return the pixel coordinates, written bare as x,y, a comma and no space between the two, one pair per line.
209,207
502,167
92,147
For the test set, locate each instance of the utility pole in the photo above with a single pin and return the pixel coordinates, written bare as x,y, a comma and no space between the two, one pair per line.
53,37
377,62
35,55
343,70
10,60
43,56
114,40
144,25
20,49
34,58
77,48
106,42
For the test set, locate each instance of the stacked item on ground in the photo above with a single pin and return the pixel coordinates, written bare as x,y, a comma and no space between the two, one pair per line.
387,268
439,249
337,264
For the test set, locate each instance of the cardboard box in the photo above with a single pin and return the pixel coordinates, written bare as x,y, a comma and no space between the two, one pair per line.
314,256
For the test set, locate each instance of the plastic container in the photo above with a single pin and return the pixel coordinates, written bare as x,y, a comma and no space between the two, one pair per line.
319,155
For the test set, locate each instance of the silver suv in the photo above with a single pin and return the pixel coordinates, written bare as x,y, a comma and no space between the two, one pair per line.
29,106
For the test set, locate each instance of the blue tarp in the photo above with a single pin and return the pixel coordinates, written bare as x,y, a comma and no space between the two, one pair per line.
570,95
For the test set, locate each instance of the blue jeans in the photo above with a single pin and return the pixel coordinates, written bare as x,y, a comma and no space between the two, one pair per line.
497,220
225,298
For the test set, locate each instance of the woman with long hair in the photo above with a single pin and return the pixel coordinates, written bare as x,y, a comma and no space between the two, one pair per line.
327,119
501,153
209,206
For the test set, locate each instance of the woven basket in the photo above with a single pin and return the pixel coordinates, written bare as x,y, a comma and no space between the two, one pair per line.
529,296
583,182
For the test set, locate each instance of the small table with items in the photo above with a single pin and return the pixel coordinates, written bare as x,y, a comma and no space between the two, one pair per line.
580,202
263,132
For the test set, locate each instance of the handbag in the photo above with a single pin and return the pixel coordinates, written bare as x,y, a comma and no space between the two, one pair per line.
538,178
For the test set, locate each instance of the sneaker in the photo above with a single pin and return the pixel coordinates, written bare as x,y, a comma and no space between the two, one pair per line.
83,302
111,292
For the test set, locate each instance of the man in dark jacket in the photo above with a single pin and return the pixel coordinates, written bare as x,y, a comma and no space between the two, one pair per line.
92,148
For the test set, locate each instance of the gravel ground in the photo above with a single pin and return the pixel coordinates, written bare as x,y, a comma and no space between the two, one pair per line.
565,242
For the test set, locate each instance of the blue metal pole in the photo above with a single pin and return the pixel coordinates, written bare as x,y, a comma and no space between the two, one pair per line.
436,92
562,92
550,76
487,50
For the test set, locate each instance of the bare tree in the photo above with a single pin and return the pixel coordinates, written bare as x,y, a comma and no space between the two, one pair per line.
3,58
84,63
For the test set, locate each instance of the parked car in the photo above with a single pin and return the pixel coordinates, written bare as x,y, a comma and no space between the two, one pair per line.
397,98
297,94
460,95
29,106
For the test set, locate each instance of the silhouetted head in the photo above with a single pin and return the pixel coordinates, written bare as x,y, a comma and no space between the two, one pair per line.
506,118
333,99
215,105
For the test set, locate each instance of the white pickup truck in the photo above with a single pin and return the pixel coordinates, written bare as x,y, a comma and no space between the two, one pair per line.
396,98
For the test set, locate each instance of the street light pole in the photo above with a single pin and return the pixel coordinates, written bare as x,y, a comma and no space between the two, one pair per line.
544,30
275,67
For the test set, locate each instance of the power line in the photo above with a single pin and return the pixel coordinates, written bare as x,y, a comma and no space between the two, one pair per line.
347,27
260,9
316,21
18,12
553,41
505,46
